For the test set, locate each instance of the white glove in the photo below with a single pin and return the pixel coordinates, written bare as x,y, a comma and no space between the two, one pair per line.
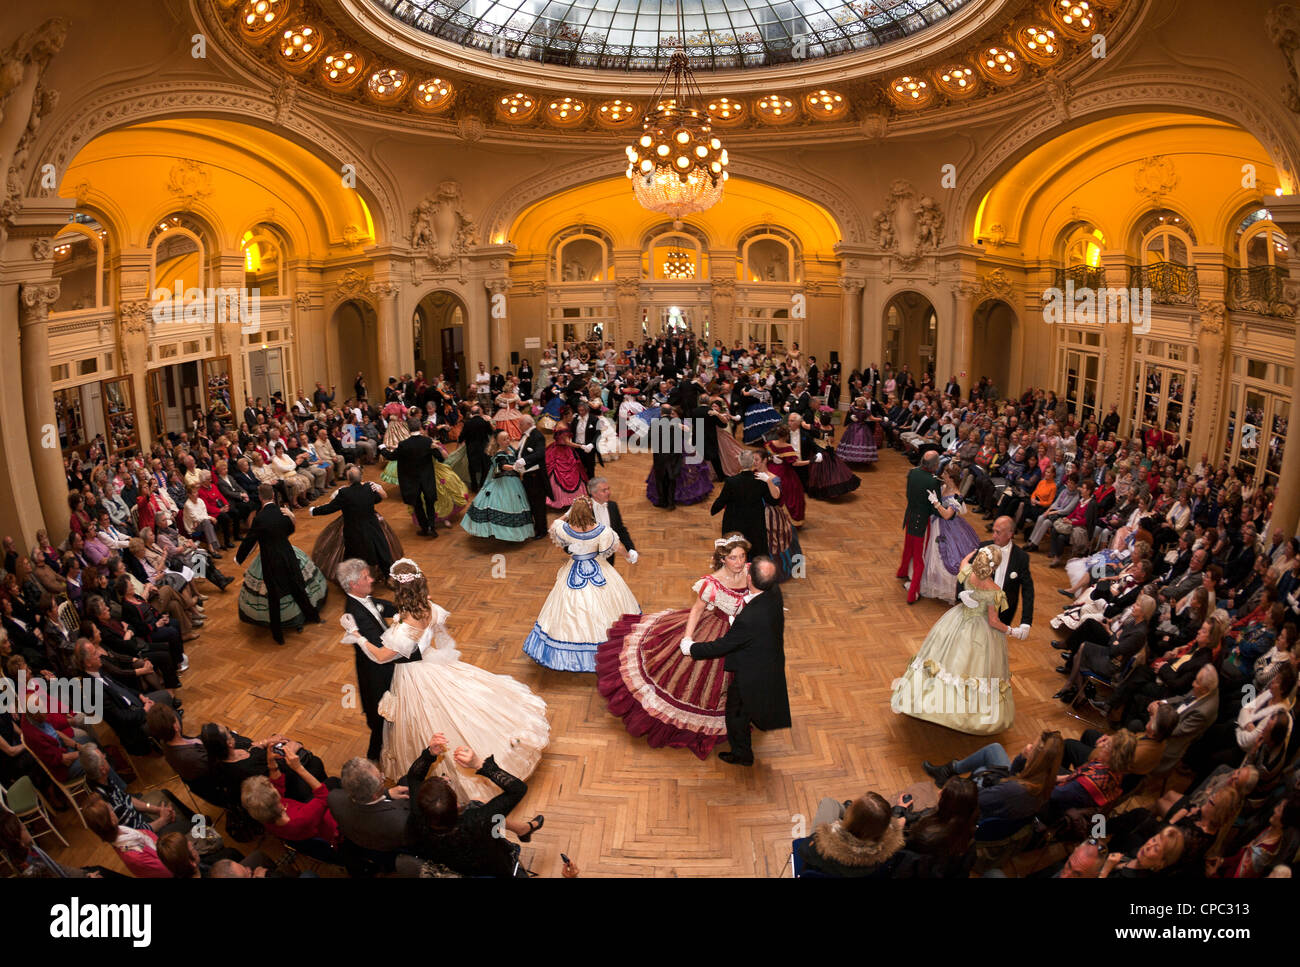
587,447
776,460
818,458
686,645
519,464
968,598
352,635
930,495
1293,600
1022,632
633,557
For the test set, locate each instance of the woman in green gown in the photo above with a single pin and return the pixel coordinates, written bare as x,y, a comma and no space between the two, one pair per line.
961,677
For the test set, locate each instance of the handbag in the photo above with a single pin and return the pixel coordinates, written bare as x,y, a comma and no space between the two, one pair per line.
1062,527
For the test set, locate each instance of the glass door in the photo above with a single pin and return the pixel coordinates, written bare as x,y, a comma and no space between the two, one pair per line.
119,415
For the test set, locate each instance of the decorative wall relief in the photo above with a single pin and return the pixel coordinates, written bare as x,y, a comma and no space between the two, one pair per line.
1283,26
24,101
190,182
910,225
1154,178
441,229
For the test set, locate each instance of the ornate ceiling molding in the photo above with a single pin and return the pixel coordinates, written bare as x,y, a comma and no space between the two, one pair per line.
128,104
1161,90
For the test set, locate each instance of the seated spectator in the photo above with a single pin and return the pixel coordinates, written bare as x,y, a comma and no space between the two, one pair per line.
178,853
862,843
367,815
234,758
136,848
467,841
1197,711
288,819
1158,855
1275,843
941,841
1097,782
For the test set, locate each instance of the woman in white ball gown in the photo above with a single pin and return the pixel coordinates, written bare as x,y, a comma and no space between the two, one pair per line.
441,693
588,597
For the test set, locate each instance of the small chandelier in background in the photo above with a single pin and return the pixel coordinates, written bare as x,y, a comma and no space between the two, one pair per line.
679,265
677,166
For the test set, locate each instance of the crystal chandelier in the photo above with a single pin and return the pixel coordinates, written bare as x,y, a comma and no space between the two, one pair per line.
679,265
677,166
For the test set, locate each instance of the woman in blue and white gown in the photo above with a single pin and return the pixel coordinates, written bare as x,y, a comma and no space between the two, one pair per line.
491,714
588,597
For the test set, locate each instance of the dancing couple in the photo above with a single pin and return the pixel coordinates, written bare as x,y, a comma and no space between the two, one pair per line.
685,677
412,685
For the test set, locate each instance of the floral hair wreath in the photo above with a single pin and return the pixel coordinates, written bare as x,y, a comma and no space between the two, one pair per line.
405,578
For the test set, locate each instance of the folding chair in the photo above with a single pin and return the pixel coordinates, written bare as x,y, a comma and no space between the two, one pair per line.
25,801
71,788
69,618
1110,682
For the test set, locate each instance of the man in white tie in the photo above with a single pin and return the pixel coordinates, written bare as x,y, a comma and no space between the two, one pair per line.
372,616
607,513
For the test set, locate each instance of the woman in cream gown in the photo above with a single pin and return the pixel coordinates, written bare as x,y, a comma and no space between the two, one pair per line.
961,677
440,693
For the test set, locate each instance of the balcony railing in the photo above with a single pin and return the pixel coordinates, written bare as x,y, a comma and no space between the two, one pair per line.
1258,289
1083,277
1170,284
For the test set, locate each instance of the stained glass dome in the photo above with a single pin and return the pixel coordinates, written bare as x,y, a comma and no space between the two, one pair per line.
641,34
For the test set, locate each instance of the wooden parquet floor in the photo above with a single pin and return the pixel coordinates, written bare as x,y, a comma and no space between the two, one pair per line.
612,804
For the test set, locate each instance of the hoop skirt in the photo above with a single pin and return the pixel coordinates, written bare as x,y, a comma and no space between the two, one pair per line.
252,594
328,550
694,483
491,714
831,478
783,543
564,471
458,461
671,699
858,444
961,677
500,510
589,596
729,452
453,493
787,476
759,420
507,417
948,544
397,432
607,443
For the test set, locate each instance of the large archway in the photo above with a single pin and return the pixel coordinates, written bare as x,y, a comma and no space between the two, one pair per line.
996,326
911,332
438,331
354,326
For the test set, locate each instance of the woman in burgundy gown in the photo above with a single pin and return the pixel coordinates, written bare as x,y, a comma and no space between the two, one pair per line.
781,462
567,476
669,698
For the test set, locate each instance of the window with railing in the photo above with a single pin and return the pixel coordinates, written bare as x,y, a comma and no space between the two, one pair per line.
1081,276
1171,284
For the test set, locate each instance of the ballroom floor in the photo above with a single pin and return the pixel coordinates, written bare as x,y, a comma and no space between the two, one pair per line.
612,804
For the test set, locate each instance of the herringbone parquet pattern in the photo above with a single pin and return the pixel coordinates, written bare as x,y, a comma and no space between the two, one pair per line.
612,804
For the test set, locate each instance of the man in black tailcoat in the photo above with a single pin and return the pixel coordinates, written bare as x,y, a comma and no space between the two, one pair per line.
586,431
668,444
363,536
743,503
371,616
476,435
755,655
531,465
281,572
415,477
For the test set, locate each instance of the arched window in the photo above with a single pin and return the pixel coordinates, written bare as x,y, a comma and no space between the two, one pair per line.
1165,237
769,255
263,260
1081,244
580,254
674,256
1260,242
79,257
179,257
